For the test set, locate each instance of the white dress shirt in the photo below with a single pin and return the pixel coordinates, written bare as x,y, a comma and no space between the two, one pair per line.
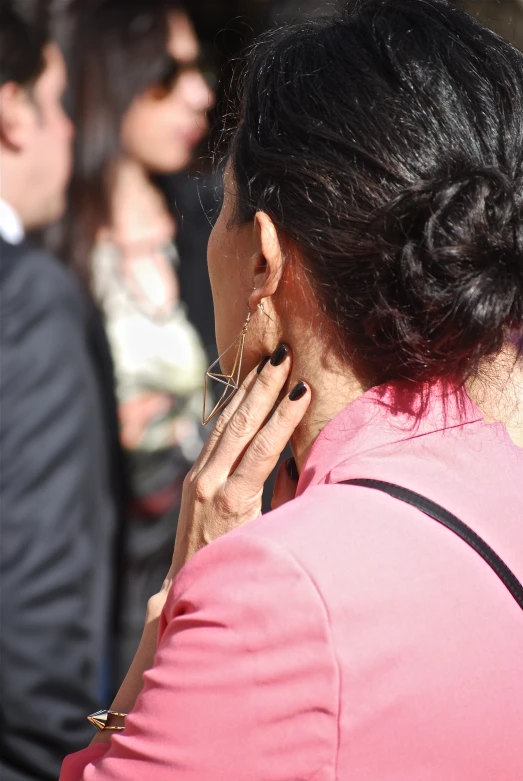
11,228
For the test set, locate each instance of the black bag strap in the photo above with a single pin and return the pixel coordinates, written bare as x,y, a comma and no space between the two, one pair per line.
443,516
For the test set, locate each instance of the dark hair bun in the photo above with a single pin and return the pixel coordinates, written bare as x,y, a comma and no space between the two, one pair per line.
450,275
387,145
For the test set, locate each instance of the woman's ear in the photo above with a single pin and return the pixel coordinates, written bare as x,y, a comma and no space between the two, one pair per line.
14,116
267,269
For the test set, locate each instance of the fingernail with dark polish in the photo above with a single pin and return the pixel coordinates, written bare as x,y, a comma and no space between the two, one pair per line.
298,391
292,469
279,355
262,364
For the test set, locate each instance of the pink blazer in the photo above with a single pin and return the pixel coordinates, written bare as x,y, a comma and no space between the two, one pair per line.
346,636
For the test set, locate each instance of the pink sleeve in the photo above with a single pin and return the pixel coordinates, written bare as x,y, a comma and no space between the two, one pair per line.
245,682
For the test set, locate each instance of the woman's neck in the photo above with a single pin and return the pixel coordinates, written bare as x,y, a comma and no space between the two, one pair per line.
498,392
139,211
333,384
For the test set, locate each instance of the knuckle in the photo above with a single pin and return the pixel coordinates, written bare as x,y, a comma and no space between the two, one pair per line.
202,489
189,479
285,413
266,380
242,422
226,502
261,449
222,422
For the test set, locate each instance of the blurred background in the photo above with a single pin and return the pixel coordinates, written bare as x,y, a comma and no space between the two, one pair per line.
149,92
224,28
147,269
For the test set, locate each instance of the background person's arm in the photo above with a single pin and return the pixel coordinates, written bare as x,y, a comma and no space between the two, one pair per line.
56,521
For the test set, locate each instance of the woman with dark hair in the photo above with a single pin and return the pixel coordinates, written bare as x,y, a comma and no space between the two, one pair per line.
371,239
139,103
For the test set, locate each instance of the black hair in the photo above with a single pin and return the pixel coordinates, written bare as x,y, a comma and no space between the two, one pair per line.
24,33
117,50
386,144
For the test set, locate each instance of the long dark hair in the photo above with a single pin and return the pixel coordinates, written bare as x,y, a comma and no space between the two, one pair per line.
386,144
116,51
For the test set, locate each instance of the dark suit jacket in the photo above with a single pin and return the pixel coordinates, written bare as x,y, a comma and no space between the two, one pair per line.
58,518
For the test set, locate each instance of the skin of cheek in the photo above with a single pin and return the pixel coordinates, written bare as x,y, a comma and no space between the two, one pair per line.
52,136
148,137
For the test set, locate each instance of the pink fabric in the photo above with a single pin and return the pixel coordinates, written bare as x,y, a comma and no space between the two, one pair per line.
346,636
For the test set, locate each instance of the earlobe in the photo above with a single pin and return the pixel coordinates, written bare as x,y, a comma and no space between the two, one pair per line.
268,263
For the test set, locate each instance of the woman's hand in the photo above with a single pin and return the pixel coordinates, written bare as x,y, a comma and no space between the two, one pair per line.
224,488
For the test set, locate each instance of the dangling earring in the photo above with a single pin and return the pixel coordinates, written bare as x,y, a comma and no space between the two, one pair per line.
231,381
262,310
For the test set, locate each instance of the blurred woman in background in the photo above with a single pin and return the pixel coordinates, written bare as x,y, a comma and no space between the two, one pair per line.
139,104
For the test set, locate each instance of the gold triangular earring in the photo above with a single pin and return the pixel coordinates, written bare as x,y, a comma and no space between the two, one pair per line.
231,381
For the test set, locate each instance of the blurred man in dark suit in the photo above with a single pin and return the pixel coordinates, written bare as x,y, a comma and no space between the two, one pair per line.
58,512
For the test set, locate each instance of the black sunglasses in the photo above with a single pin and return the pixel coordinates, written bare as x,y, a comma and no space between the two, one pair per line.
174,68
